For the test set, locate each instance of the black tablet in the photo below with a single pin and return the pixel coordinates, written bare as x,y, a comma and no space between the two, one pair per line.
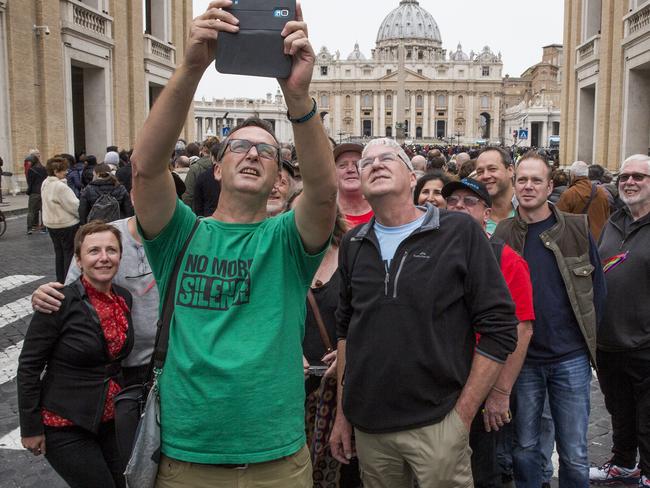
258,48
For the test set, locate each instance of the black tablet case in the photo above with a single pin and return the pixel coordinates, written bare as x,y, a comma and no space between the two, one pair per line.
258,48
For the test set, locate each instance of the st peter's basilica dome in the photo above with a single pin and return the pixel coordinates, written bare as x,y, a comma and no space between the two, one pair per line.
409,21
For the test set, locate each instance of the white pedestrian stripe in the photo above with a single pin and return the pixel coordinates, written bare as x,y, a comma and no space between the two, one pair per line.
15,311
14,281
12,440
9,362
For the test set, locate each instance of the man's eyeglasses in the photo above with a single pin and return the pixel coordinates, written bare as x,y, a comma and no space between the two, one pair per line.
242,146
388,157
468,201
637,177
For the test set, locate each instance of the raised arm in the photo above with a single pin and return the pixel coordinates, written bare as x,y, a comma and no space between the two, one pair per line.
153,185
316,210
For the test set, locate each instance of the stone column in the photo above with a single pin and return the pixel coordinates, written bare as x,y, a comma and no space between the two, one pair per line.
450,114
544,141
382,115
357,114
375,115
6,142
471,115
412,118
426,129
338,117
394,114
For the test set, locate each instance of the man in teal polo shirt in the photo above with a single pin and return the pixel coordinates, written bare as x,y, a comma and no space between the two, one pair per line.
495,170
232,389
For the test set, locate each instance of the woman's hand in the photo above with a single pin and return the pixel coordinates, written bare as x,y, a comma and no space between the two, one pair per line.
305,367
35,444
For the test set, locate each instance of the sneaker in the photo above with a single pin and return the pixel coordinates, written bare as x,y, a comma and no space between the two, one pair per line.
610,473
29,232
644,481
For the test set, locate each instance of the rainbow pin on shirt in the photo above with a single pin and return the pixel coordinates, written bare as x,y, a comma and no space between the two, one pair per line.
611,263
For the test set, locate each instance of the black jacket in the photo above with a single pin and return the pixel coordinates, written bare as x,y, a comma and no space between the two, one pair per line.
410,330
123,175
71,344
36,175
206,194
92,192
626,321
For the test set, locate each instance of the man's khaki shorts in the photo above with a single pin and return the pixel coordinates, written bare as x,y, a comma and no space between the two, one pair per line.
288,472
437,456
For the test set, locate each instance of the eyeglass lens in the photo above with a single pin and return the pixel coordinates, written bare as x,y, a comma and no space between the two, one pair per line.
263,149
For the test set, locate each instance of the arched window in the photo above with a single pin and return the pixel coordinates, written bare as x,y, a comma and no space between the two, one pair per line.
419,101
367,100
485,101
348,101
324,100
461,101
389,101
442,101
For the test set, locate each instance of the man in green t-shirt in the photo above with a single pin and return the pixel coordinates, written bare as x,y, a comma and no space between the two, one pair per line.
232,389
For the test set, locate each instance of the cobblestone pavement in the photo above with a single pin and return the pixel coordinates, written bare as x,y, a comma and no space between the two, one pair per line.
25,263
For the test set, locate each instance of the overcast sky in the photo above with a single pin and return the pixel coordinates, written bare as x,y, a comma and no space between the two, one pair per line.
517,28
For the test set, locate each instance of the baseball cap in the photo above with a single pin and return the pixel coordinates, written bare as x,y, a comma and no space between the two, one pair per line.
347,147
470,184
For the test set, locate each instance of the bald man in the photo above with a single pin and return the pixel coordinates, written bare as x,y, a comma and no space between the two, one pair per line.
420,165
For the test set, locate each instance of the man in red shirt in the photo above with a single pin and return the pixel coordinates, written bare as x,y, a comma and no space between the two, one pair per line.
351,201
472,197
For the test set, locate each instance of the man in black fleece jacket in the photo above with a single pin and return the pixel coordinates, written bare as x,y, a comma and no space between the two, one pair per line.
418,285
623,347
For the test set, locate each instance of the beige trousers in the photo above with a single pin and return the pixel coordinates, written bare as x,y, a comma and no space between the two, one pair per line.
437,456
288,472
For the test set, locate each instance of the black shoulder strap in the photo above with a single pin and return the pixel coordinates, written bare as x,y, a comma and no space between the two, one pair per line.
594,189
164,321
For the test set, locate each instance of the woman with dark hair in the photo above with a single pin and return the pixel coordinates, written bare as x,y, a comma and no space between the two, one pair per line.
60,214
69,368
429,189
104,183
89,171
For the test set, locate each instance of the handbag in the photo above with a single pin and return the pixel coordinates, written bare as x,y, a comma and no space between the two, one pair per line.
321,412
137,408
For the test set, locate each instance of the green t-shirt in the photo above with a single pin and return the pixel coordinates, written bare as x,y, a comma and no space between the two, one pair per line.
232,388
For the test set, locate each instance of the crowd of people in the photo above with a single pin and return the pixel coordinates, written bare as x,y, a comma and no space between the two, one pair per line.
345,315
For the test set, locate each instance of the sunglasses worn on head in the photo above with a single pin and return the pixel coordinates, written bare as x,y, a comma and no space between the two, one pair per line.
242,146
638,177
468,201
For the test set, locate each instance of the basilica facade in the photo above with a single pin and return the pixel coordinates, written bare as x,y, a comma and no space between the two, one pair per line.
410,88
410,84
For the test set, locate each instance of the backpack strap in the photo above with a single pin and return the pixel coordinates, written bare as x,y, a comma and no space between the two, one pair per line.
164,321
